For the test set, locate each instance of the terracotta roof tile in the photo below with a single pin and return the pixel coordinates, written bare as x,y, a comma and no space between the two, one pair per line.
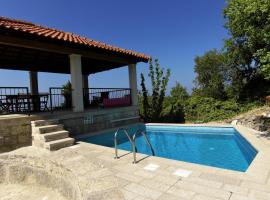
27,27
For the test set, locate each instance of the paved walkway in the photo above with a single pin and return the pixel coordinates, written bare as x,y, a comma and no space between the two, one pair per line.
23,192
156,178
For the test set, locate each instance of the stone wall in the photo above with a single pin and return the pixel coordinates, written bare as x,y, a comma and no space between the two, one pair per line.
100,119
15,133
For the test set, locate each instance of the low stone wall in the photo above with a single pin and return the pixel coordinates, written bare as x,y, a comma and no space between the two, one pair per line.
15,133
100,119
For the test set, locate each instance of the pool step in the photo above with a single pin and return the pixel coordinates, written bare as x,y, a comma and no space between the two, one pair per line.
50,128
58,144
49,134
45,122
55,135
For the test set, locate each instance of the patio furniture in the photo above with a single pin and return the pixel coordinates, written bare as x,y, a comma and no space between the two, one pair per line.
12,101
114,102
22,102
4,107
43,101
96,101
28,102
38,102
104,95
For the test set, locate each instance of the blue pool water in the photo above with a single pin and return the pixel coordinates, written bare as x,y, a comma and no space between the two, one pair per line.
213,146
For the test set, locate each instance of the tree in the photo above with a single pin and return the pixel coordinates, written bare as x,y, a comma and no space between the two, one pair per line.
153,105
67,93
248,47
179,93
174,104
210,79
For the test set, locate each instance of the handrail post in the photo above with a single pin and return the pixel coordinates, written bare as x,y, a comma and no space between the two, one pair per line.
134,152
115,140
134,144
147,140
115,146
130,98
50,90
28,101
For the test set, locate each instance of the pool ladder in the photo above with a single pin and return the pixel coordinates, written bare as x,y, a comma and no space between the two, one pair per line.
132,141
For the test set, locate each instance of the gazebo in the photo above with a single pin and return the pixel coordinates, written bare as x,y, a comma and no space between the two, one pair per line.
34,48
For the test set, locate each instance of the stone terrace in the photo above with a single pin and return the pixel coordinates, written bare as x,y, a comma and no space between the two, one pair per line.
156,178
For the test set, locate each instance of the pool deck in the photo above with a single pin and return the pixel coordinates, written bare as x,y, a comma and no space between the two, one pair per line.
154,178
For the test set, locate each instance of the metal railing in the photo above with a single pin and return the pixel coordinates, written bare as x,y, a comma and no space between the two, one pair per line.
132,141
10,103
60,98
115,140
134,149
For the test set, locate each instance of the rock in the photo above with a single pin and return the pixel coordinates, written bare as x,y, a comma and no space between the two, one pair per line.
258,119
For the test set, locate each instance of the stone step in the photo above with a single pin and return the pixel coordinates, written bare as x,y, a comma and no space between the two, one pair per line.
1,140
58,144
50,128
38,123
47,137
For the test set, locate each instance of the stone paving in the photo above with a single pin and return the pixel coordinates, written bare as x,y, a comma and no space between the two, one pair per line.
154,178
23,192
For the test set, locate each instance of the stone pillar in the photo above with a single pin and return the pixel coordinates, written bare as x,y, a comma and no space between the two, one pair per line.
33,77
133,83
76,82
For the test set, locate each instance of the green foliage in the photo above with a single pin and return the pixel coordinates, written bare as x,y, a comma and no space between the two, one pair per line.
210,79
247,49
179,93
248,22
173,109
228,82
152,106
67,92
144,100
205,109
173,113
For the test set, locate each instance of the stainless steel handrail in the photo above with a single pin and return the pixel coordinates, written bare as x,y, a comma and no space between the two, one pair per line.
115,140
134,144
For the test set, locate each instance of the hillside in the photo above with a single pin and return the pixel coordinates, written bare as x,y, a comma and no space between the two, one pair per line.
258,119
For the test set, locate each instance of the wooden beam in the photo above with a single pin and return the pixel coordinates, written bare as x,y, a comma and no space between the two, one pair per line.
64,49
26,65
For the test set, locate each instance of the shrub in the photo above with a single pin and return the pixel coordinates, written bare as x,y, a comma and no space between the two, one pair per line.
205,109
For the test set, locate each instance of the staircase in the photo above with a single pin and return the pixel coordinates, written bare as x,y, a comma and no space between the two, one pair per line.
49,134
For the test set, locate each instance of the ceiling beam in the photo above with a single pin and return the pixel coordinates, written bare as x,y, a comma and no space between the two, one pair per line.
63,49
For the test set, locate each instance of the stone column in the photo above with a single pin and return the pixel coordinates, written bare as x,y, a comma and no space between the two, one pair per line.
33,77
133,83
76,82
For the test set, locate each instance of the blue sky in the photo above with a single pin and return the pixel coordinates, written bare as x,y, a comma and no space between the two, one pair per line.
174,31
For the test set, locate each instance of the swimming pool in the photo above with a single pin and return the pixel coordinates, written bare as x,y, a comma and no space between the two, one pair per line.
221,147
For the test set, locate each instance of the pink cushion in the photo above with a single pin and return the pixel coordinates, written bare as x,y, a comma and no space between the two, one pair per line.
124,101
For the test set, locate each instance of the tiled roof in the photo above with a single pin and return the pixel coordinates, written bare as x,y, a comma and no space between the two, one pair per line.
27,27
